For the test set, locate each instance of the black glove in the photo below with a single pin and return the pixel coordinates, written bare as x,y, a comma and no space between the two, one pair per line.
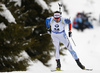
48,30
70,34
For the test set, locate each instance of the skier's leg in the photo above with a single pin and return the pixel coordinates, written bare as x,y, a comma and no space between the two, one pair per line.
80,64
73,53
57,49
58,64
66,42
56,45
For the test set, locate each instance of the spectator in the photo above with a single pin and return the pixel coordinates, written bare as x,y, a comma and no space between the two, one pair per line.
81,21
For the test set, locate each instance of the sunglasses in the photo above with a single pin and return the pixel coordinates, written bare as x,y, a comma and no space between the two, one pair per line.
57,18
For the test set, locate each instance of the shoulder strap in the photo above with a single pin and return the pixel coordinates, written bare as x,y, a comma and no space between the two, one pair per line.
52,20
62,21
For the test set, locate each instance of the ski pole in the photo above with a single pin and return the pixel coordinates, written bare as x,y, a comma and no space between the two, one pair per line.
73,41
44,34
60,5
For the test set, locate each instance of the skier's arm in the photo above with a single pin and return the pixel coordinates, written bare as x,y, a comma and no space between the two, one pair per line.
67,21
47,22
69,26
48,25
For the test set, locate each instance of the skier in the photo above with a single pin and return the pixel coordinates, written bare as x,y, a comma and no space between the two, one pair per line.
56,28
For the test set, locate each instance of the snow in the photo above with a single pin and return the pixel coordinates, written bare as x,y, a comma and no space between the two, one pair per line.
87,49
2,26
35,67
7,14
42,3
87,42
18,2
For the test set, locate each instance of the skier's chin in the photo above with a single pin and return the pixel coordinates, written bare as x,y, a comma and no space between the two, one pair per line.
57,21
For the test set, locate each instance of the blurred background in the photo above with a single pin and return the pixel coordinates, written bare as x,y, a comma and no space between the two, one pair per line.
23,28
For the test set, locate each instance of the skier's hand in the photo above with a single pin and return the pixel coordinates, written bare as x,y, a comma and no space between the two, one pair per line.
48,31
70,34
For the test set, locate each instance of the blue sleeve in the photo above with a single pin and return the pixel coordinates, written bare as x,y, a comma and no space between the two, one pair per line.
48,22
67,21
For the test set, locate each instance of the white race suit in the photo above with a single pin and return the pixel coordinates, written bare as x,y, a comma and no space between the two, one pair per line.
58,35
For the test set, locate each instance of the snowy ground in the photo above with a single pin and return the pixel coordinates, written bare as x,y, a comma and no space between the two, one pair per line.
87,44
87,48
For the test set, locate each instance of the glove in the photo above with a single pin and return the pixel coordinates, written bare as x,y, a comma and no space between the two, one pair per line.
48,31
70,34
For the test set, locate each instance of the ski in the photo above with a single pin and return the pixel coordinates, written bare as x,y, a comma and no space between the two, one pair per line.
88,69
55,70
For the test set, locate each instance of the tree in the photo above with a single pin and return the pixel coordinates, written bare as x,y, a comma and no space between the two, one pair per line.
36,19
24,35
19,37
12,43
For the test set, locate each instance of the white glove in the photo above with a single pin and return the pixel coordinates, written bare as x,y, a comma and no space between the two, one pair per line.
48,31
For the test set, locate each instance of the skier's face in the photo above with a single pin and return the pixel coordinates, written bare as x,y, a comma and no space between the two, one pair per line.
57,19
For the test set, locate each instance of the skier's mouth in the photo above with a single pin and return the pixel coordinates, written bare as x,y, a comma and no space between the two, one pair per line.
57,18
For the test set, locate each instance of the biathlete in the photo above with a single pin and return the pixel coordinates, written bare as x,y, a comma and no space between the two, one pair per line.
56,28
